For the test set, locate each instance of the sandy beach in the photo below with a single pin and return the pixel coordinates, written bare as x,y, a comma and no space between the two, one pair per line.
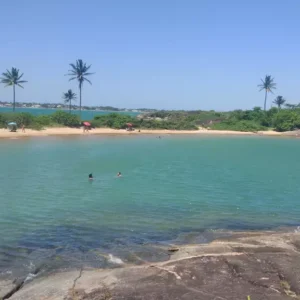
65,131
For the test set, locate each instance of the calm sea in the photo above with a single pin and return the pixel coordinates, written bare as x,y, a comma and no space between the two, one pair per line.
174,189
85,114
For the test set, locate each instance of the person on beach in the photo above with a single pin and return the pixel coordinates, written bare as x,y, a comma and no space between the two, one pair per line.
91,177
119,174
23,128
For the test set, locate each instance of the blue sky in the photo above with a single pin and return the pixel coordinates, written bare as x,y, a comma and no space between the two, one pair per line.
167,54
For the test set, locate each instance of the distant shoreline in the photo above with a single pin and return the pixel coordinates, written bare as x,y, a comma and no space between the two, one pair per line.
4,108
65,131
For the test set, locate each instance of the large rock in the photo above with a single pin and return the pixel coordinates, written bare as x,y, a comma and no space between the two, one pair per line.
6,287
263,266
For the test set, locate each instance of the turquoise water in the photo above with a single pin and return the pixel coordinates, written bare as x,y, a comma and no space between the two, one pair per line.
177,189
85,114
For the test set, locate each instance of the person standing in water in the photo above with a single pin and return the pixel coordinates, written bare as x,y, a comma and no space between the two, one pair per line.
119,174
91,177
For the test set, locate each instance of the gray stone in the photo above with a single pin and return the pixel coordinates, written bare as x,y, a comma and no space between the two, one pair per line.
262,265
6,286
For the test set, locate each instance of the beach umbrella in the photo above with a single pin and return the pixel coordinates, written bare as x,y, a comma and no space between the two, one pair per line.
129,124
86,123
12,126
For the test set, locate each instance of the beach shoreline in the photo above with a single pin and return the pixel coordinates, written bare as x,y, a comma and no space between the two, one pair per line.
65,131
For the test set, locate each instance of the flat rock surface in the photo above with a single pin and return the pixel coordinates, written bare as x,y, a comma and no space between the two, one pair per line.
6,286
261,265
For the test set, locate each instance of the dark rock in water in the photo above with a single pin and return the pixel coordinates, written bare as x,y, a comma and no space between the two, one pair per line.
173,249
261,265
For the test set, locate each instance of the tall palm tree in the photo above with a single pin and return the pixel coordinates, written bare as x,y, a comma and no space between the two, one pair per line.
68,97
79,71
279,100
268,85
12,78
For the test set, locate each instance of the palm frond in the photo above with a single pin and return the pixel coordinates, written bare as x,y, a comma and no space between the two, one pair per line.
267,84
6,75
72,71
87,67
5,81
73,66
70,74
20,76
12,77
85,79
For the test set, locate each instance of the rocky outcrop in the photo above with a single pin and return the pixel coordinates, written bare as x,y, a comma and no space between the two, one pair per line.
260,265
7,287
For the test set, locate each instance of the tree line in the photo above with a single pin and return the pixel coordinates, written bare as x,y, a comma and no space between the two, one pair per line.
78,71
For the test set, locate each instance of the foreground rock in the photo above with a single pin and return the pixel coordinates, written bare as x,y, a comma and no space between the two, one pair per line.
6,287
264,266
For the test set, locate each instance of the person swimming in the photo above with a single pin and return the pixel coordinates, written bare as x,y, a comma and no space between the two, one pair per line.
119,174
91,176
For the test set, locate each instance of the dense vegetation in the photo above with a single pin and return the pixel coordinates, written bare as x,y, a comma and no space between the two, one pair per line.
57,119
239,120
118,121
257,119
176,121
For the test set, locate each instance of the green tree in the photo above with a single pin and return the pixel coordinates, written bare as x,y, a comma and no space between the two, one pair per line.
79,71
291,106
66,119
12,78
286,120
279,100
268,85
68,97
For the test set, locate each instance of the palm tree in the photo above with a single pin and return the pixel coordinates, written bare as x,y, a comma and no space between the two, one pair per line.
279,100
12,78
268,85
79,71
68,97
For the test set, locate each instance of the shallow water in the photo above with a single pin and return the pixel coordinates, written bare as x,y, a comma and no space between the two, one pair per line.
182,189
